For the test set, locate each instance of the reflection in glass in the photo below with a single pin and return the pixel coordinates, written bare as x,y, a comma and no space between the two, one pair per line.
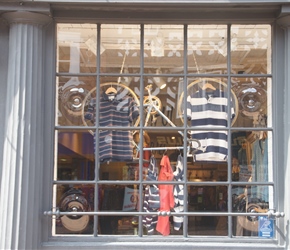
207,49
254,100
163,48
245,226
74,198
120,48
250,156
161,105
251,49
73,94
249,199
76,44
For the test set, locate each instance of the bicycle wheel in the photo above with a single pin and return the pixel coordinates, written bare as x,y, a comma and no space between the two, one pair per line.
193,86
122,89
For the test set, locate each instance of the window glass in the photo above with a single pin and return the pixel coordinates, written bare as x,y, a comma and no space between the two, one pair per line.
76,47
120,49
254,96
163,49
168,132
74,95
75,151
207,49
251,49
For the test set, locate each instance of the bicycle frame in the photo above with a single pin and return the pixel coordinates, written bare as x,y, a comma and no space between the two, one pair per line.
152,107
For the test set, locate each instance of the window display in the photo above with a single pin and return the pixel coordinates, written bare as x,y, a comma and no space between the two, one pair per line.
161,133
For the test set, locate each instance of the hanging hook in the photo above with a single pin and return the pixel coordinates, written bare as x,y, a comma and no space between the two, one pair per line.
165,152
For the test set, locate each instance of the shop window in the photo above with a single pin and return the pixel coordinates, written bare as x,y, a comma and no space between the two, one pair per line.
162,130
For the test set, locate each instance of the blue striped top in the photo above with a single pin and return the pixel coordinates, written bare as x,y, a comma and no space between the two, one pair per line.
119,110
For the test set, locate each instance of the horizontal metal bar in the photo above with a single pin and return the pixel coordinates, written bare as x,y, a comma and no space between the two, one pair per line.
270,213
189,75
144,182
163,148
151,128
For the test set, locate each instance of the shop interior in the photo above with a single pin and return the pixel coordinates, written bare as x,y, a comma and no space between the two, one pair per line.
250,99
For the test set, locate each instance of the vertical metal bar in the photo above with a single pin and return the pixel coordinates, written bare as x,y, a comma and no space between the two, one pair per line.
141,131
97,162
229,129
185,71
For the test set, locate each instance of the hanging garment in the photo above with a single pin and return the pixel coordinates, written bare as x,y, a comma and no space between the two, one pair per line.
260,169
151,198
178,193
210,109
114,145
166,195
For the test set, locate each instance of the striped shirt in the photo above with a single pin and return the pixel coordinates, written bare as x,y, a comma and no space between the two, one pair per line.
210,109
116,145
149,220
178,192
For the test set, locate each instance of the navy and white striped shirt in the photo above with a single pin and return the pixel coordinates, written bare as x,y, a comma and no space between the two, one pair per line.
115,145
210,110
178,192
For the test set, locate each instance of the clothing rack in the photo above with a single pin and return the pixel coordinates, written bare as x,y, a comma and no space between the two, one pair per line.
164,148
190,149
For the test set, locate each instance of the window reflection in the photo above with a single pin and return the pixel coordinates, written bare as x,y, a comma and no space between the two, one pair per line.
251,49
75,198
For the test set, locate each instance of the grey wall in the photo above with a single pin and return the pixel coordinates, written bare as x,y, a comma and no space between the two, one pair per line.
4,40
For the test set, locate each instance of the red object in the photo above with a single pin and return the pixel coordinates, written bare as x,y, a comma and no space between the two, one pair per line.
166,195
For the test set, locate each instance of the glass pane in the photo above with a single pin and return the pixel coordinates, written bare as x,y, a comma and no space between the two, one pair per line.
76,48
252,156
138,120
163,49
245,226
254,97
164,197
75,155
251,49
207,49
115,146
74,198
209,103
118,106
118,225
206,171
73,96
120,48
161,104
250,199
207,198
251,194
209,146
208,225
114,198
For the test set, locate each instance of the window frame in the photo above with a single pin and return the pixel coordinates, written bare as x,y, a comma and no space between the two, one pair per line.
50,139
